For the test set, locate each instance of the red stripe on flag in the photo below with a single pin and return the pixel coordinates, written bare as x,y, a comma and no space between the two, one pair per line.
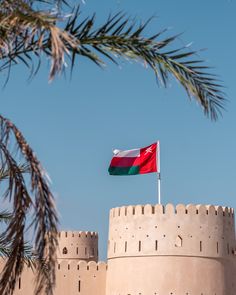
125,161
148,159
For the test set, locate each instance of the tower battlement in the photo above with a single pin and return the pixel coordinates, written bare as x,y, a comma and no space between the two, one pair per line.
152,250
170,209
78,245
192,230
165,243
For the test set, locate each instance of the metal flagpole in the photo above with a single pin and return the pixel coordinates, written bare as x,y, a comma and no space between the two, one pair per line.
159,173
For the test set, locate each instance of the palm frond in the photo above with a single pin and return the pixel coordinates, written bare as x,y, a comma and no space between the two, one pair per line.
24,199
5,216
29,257
117,37
4,174
32,33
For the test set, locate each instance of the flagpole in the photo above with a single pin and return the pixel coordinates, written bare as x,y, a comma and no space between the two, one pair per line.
159,173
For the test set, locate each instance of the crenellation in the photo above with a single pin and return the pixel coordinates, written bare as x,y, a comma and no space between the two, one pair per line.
159,209
81,245
123,211
219,211
170,209
139,210
211,210
75,234
169,242
152,249
137,233
101,265
148,210
130,211
181,209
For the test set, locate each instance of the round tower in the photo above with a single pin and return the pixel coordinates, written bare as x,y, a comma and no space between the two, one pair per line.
182,250
78,245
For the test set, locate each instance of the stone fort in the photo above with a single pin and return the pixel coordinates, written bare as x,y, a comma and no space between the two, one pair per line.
152,250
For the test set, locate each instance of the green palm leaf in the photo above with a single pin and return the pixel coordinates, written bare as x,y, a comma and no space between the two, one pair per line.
5,216
27,33
29,258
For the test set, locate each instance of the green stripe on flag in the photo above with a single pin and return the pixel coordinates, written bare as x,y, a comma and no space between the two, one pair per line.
133,170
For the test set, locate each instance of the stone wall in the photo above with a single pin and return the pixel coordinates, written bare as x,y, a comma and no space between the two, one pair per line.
171,250
77,270
152,250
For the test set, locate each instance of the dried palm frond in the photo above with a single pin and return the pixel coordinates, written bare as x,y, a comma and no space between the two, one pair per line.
27,200
4,174
26,34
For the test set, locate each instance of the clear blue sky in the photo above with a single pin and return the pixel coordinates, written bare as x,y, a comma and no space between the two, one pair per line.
73,125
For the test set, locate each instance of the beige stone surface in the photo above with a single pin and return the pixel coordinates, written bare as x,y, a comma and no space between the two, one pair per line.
152,250
78,245
171,250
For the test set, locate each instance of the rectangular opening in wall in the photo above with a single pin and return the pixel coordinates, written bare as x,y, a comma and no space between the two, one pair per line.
77,250
217,247
200,246
228,248
85,250
125,246
79,286
156,245
139,246
19,283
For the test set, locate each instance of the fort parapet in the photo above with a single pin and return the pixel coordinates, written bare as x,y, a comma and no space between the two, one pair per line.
152,250
78,245
171,250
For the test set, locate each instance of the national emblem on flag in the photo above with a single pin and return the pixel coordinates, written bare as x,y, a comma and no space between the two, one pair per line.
136,161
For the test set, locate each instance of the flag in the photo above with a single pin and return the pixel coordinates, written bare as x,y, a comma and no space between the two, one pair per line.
136,161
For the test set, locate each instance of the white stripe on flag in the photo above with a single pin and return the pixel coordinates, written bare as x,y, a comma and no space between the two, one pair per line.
130,153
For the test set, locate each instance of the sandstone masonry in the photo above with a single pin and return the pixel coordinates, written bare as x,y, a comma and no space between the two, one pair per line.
152,250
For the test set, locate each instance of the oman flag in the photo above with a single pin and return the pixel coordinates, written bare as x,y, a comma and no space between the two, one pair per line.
137,161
